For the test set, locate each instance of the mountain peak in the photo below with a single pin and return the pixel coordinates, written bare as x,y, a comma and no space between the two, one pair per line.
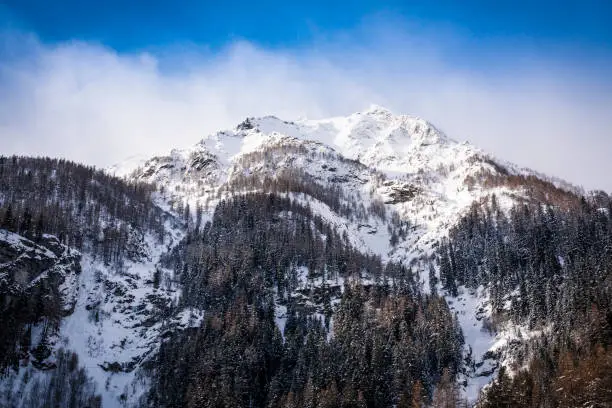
375,109
376,137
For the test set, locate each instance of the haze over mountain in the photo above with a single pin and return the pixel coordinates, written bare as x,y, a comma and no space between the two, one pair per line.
517,94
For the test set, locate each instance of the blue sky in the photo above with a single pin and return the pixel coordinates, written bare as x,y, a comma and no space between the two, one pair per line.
142,24
98,81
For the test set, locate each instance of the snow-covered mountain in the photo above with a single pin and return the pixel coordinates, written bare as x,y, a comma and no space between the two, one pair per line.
374,156
400,162
393,185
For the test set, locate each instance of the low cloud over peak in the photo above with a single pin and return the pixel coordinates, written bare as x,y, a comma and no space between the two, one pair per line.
86,102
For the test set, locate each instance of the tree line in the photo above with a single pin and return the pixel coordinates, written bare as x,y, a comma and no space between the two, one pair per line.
84,207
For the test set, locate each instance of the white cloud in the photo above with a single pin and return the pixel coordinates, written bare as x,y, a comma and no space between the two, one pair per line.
91,104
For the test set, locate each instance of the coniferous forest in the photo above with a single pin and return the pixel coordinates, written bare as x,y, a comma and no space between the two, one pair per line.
547,269
55,209
352,331
391,344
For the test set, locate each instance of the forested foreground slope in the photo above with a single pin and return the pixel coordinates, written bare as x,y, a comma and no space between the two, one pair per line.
367,260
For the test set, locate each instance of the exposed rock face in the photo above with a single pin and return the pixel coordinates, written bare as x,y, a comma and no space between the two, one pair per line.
401,193
46,266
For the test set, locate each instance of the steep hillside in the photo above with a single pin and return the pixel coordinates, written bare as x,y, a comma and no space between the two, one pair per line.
394,185
80,271
367,260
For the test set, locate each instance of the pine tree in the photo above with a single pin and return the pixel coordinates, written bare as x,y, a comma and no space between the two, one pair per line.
417,395
25,226
8,222
446,394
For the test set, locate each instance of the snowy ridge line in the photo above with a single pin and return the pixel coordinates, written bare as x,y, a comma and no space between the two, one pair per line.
429,180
